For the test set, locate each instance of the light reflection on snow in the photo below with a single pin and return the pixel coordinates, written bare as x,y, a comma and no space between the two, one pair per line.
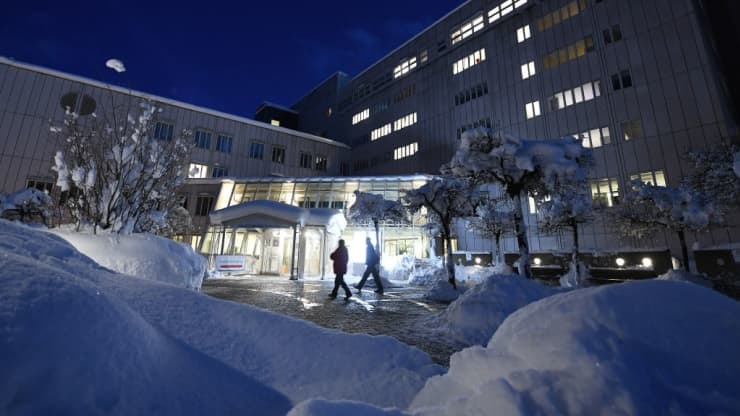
307,304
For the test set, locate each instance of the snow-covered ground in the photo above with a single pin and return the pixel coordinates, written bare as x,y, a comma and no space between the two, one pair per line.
78,338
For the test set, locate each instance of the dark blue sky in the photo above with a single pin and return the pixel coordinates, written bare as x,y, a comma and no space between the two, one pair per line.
224,55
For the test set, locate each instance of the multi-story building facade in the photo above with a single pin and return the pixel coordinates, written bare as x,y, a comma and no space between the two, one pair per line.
639,82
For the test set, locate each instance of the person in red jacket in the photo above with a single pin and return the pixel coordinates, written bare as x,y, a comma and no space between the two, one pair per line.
340,258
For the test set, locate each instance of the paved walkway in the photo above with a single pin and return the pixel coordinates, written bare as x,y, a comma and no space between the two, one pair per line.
396,313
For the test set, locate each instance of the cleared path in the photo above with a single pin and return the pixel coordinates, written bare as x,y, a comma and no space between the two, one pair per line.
398,313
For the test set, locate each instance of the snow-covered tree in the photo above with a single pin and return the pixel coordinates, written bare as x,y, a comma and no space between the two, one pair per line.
714,176
115,175
647,208
522,167
374,208
26,204
444,199
493,219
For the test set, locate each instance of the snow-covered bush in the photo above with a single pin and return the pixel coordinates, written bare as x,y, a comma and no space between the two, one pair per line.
26,205
114,174
684,276
522,167
427,272
646,208
714,175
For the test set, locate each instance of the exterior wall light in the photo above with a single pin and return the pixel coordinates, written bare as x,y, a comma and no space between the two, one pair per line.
647,262
537,261
620,262
477,260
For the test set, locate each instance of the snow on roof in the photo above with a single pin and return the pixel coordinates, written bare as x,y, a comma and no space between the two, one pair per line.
274,105
169,101
265,214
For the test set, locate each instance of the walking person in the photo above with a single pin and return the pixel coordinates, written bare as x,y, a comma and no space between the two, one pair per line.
340,257
372,260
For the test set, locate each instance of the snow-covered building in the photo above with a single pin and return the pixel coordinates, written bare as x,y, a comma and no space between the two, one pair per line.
639,82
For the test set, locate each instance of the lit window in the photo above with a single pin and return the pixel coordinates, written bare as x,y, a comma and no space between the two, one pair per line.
405,151
528,70
605,192
504,8
424,56
523,33
469,61
585,92
223,143
594,138
275,122
404,67
467,29
404,122
202,139
560,15
380,132
656,178
532,109
197,171
568,53
256,150
163,131
362,115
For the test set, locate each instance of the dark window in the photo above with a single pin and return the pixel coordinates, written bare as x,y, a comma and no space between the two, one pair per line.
616,85
631,129
616,33
278,154
224,143
40,184
202,139
256,150
344,169
626,78
203,205
220,172
321,163
306,160
163,131
607,36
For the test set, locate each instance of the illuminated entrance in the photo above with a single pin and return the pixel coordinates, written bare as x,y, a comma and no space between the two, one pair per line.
269,237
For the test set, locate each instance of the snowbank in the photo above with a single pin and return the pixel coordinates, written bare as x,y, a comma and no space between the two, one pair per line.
477,313
680,275
75,334
142,255
648,347
322,407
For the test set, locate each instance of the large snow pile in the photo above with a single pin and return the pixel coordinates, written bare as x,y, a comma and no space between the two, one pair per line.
649,347
77,338
427,272
397,267
141,255
477,313
444,292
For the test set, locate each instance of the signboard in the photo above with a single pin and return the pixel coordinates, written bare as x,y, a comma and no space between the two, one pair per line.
231,263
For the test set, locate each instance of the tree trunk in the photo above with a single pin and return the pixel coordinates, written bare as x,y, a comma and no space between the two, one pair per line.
574,226
498,248
684,249
448,256
525,270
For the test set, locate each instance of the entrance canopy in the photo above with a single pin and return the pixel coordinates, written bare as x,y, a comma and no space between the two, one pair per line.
273,214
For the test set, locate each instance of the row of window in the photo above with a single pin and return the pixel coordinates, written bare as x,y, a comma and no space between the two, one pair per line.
560,15
568,53
504,8
401,123
469,61
471,93
362,115
467,29
579,94
224,143
404,67
405,151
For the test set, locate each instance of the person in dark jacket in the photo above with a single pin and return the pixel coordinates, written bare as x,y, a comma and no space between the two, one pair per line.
340,257
372,261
